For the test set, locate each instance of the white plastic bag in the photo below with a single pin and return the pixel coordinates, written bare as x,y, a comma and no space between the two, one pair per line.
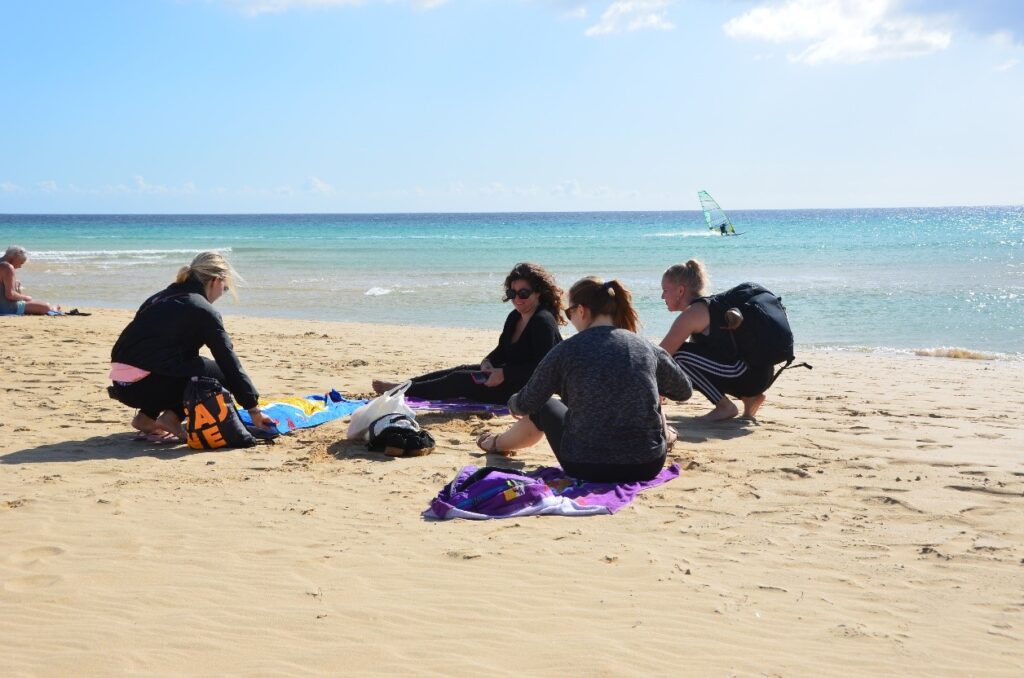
389,402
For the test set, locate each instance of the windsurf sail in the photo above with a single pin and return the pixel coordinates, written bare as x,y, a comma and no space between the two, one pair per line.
716,218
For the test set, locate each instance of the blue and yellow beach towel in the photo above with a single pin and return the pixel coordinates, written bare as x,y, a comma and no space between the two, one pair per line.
312,410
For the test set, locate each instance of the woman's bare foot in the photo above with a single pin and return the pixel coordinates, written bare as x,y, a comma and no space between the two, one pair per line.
146,425
724,409
751,405
170,423
379,386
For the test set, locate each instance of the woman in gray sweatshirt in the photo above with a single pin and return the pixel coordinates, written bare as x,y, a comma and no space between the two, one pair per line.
608,425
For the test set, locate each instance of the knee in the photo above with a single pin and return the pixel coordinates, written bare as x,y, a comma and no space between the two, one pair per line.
550,413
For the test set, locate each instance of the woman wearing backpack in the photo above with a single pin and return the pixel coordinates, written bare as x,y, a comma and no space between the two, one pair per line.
158,352
608,425
530,331
706,350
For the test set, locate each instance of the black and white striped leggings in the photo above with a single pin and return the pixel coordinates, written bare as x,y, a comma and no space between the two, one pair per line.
715,379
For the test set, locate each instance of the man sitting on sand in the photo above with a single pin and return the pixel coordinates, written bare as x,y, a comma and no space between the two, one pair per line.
12,301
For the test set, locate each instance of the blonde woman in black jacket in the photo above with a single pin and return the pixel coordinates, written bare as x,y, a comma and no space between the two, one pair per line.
158,352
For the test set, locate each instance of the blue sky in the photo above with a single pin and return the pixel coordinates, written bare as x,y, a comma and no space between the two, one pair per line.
152,106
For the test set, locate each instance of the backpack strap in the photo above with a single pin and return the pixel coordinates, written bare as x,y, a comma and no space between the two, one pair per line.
262,435
789,363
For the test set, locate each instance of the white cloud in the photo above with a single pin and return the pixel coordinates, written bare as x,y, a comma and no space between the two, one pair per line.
576,13
843,31
1006,65
632,15
49,186
141,186
8,187
568,188
258,7
319,186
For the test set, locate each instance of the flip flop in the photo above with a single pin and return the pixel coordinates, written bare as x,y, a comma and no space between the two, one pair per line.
75,311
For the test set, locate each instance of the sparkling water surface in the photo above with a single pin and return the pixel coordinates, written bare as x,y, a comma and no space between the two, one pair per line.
899,279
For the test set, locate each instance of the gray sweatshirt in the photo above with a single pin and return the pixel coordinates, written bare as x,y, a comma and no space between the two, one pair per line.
610,380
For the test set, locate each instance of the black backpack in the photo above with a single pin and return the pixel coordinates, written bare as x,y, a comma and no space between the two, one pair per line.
756,321
398,435
211,420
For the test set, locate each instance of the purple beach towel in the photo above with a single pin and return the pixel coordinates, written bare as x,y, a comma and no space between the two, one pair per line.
492,492
459,405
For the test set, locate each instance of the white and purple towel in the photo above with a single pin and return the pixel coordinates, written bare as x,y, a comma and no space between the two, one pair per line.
457,405
492,492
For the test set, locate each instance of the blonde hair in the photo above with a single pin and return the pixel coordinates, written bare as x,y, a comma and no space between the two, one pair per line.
606,298
209,266
692,274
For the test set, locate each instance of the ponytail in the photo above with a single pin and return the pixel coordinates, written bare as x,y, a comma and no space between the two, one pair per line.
610,298
208,266
693,274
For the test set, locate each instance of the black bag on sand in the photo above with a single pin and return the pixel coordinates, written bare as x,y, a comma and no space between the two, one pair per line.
398,435
212,421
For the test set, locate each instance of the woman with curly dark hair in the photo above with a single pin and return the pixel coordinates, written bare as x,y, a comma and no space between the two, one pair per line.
531,330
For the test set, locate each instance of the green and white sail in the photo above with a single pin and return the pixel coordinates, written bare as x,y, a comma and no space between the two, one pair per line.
714,215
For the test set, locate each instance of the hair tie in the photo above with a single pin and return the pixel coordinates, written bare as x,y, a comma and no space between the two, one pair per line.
607,287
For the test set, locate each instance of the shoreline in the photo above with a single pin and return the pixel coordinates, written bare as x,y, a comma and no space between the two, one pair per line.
874,501
943,351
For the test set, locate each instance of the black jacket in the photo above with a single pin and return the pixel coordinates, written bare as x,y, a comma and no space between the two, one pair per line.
169,329
521,358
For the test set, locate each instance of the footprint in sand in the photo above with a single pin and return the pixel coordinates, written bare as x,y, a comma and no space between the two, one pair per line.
30,583
34,555
886,500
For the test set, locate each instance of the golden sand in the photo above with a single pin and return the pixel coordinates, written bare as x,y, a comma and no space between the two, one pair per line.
870,523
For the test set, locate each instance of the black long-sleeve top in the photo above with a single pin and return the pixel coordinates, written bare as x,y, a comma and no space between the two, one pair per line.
521,358
169,329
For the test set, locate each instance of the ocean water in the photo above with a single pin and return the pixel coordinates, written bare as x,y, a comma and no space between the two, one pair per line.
901,279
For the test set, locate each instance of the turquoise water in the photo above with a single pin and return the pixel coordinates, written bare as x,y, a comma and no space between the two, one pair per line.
871,278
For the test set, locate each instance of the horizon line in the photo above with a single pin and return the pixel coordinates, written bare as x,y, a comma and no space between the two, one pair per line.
471,212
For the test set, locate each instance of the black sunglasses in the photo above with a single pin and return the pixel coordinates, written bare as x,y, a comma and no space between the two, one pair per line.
524,293
568,312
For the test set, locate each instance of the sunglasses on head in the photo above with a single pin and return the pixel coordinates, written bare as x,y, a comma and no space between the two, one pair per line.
522,294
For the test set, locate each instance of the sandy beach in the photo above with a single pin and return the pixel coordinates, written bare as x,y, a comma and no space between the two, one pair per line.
869,523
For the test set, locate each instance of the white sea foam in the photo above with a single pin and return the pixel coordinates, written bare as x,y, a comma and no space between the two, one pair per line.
681,234
83,255
953,352
377,291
